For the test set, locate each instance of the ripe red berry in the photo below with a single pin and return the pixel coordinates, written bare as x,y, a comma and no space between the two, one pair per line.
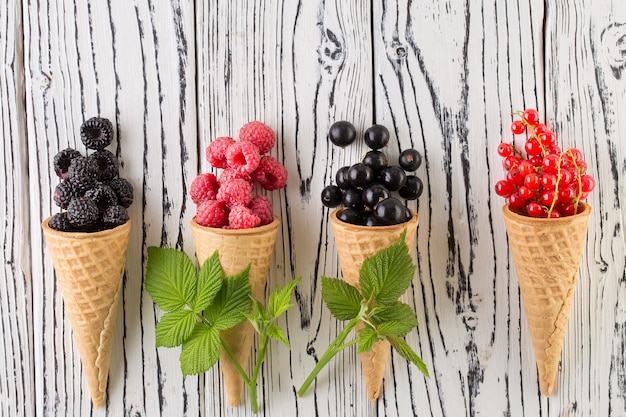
547,197
553,150
504,188
531,116
547,138
567,176
511,161
555,214
526,167
551,163
567,209
532,181
516,201
548,181
505,149
534,209
587,183
532,147
525,192
540,128
514,176
518,127
566,195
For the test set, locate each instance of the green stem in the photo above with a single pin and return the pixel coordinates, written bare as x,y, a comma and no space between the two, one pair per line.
252,383
235,362
335,347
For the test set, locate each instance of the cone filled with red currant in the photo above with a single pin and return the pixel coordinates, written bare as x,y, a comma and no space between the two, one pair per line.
546,220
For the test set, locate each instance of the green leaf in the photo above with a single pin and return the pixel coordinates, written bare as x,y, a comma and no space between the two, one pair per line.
279,300
200,351
209,282
259,318
366,338
175,327
397,319
232,302
170,278
386,275
407,353
276,333
341,298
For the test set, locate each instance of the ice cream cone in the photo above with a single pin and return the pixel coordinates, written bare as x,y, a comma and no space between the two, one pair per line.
237,249
89,269
547,255
354,244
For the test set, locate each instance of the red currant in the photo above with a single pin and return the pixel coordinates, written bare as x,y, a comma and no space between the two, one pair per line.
526,167
554,214
548,181
536,161
516,201
532,147
553,150
576,155
518,127
504,188
547,138
511,161
505,149
566,209
531,116
532,181
587,183
547,197
551,163
566,195
525,192
540,128
514,176
534,209
567,176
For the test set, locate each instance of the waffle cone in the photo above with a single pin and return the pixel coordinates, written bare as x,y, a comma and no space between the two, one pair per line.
89,269
547,255
237,249
354,244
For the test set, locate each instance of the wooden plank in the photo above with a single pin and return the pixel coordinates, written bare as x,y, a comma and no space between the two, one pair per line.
134,64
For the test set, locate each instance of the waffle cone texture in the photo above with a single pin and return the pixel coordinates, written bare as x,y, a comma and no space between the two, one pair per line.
236,249
89,269
354,244
547,255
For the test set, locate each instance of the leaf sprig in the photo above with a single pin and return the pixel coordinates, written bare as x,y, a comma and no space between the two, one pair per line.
383,279
198,305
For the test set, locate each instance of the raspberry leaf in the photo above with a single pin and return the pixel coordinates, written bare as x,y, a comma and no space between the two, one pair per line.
170,278
210,281
366,339
200,351
396,319
276,333
341,298
175,327
280,300
232,302
407,353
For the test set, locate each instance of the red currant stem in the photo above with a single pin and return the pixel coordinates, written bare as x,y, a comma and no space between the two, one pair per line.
578,180
556,187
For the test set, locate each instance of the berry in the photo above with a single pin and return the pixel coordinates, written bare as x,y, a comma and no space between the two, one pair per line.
115,215
82,213
96,133
103,195
525,167
393,178
587,183
525,192
243,156
531,116
540,128
260,134
376,137
505,149
231,173
412,189
511,161
212,213
551,164
547,197
241,217
566,195
83,173
350,215
341,178
342,133
216,151
410,160
62,161
373,194
375,160
546,138
271,174
236,192
61,223
390,211
548,181
64,193
534,209
204,187
532,181
360,175
108,167
516,201
124,191
518,127
504,188
371,220
353,198
514,177
262,207
532,147
331,196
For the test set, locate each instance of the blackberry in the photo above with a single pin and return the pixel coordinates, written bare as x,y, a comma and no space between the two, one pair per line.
108,167
103,195
82,173
61,223
96,133
124,191
62,160
64,192
115,216
82,213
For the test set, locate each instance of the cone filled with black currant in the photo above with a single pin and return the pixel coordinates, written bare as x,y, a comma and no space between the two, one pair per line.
547,254
354,244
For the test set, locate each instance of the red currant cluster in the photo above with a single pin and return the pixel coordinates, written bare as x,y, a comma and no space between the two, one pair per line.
548,182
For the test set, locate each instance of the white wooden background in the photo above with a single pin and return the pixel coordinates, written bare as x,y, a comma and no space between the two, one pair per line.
442,75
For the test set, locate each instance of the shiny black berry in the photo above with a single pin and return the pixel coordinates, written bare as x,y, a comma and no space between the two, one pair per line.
61,223
412,188
342,133
124,191
390,211
360,175
96,133
115,216
351,216
108,167
375,160
393,178
376,137
82,213
62,161
341,178
410,160
370,220
103,196
82,173
352,198
374,193
64,192
331,196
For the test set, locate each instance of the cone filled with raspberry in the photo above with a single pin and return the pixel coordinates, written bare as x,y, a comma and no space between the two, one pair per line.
546,220
239,223
87,242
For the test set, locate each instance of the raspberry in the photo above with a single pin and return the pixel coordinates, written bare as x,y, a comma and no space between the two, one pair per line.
82,173
61,223
231,174
243,156
262,207
216,151
270,173
204,187
115,216
124,191
108,167
82,213
260,134
62,161
96,133
241,217
64,193
212,213
235,192
103,195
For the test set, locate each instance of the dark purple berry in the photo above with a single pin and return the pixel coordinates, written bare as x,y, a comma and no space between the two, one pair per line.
64,192
370,220
360,175
352,198
108,167
375,160
96,133
351,216
342,133
61,223
376,137
103,195
124,191
82,213
115,216
390,211
62,161
331,196
410,159
82,173
374,193
412,188
341,178
408,215
393,178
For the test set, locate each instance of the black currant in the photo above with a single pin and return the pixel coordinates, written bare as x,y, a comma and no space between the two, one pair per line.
331,196
341,178
342,133
360,175
390,211
375,160
376,137
393,178
370,220
349,215
412,188
410,159
374,193
352,198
